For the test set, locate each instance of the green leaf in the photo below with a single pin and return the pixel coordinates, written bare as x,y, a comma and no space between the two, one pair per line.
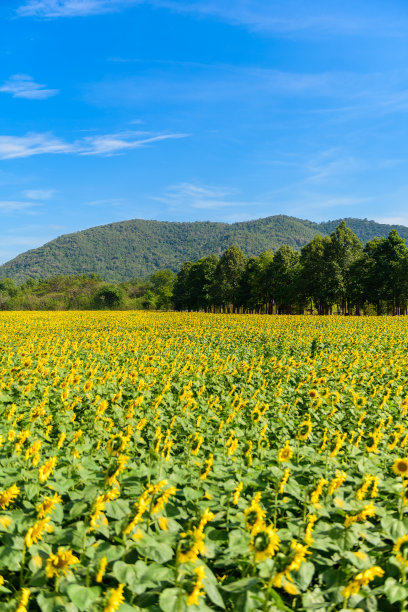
304,575
48,602
213,593
126,573
279,601
111,552
393,527
157,574
77,509
172,600
157,551
238,542
394,591
81,596
240,585
118,509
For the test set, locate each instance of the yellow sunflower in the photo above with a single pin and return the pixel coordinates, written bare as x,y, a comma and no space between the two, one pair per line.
305,429
265,542
285,453
400,550
400,467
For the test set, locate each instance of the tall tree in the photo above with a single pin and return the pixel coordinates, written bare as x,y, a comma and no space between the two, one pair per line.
228,274
182,297
283,272
341,252
201,280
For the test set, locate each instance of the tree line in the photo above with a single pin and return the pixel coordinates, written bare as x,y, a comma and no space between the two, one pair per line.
331,274
88,292
335,274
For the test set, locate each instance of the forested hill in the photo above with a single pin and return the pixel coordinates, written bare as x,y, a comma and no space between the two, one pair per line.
137,248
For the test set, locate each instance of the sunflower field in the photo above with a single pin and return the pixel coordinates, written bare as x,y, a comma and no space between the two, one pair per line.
183,461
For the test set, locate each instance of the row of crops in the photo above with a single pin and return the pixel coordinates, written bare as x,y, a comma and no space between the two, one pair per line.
183,461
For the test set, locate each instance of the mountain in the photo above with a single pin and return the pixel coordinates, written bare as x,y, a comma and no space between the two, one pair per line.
137,248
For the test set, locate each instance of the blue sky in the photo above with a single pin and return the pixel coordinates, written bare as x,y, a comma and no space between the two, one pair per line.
222,110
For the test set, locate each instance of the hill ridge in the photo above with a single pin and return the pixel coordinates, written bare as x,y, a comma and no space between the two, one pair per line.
133,248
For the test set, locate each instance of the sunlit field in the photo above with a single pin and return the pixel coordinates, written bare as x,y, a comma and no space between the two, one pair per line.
162,461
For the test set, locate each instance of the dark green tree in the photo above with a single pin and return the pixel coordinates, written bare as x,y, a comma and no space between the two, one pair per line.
228,274
162,282
182,295
109,296
201,280
283,272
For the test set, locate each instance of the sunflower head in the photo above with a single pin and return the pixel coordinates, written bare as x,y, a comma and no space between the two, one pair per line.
304,430
400,467
254,516
265,542
401,550
285,453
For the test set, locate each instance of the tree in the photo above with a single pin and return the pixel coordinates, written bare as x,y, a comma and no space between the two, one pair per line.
227,278
109,296
387,281
341,252
255,291
283,273
311,283
8,286
201,279
163,282
182,297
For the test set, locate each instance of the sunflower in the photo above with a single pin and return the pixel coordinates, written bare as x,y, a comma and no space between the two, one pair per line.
313,393
265,542
60,563
400,467
285,453
400,550
254,516
304,430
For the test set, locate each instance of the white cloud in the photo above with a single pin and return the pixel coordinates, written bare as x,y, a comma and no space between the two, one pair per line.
331,165
14,205
182,195
110,144
24,86
107,202
32,144
12,147
258,15
71,8
31,241
403,220
39,194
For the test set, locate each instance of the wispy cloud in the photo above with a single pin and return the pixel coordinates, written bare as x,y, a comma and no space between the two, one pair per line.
403,220
39,194
24,86
182,195
71,8
111,144
14,205
330,166
107,202
24,241
12,147
333,95
258,15
32,144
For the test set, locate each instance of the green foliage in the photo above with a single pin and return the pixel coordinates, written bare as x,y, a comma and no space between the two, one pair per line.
109,296
138,248
331,274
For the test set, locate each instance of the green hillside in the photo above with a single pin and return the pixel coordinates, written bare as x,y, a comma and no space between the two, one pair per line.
137,248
